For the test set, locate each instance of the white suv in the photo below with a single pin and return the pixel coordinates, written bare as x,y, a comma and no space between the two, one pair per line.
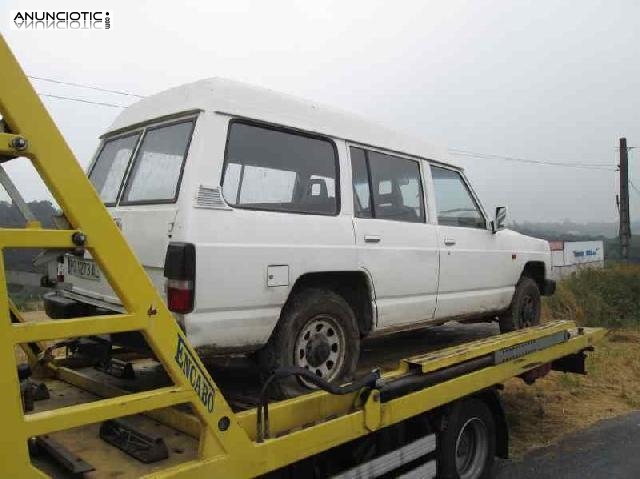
278,226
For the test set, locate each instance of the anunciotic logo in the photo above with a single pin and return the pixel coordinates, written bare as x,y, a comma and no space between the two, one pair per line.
59,20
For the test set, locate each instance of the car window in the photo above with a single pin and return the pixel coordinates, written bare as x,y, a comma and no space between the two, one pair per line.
397,188
158,164
393,183
360,176
273,169
110,166
454,203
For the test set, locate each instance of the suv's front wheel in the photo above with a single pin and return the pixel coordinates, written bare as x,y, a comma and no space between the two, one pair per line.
317,331
525,307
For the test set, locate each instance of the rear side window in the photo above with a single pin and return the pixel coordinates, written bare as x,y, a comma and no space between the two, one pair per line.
273,169
392,184
157,168
454,202
111,165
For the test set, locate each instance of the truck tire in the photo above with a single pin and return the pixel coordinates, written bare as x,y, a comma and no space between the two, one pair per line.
524,310
467,445
317,331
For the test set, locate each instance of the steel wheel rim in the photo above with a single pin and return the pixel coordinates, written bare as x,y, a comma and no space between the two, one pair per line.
320,348
472,448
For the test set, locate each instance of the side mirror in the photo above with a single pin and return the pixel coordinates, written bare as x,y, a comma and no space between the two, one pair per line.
501,219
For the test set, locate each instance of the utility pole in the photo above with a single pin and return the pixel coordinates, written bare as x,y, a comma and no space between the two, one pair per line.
625,222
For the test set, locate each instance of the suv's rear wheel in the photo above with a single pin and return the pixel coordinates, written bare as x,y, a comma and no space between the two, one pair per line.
317,331
525,307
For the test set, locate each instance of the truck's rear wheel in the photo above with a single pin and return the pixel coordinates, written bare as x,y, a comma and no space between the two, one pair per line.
525,307
467,445
317,331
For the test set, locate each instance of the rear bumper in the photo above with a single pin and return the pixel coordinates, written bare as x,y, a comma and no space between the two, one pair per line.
548,288
59,307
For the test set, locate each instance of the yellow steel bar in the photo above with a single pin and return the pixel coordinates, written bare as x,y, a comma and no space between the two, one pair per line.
73,416
293,413
26,347
181,421
67,328
25,115
36,238
306,442
408,406
14,454
463,352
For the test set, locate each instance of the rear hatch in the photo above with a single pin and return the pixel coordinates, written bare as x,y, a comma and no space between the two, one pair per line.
137,174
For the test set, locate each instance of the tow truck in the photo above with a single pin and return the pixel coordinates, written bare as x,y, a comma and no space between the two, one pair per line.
80,407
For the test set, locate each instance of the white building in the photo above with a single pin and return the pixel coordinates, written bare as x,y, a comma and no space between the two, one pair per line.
570,256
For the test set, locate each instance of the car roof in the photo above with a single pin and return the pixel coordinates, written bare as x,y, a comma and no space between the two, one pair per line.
239,99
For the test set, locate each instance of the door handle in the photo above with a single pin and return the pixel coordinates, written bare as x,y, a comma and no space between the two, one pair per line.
449,241
372,239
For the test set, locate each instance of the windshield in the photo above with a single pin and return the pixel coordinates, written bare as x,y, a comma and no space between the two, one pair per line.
149,174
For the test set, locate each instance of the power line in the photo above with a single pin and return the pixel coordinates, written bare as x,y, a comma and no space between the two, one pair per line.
588,166
82,85
81,100
634,187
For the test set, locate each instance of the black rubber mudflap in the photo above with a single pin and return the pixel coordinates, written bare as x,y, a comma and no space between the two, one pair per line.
138,445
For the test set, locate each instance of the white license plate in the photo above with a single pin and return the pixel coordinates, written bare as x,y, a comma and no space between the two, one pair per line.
83,268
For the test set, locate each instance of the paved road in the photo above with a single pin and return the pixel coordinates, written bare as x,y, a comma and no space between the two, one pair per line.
610,449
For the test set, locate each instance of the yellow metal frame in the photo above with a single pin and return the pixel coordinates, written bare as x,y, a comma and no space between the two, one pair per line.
224,452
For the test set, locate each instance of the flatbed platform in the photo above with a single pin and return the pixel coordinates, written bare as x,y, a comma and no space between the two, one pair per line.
109,462
238,377
241,387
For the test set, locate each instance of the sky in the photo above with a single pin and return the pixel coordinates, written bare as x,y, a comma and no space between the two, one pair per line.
551,81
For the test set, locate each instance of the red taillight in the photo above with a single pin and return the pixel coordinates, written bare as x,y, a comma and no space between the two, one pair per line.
180,271
180,295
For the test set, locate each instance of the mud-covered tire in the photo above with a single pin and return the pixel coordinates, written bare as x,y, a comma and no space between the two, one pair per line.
467,445
318,331
525,307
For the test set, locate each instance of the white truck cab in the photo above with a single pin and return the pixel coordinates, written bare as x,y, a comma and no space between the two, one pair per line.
280,227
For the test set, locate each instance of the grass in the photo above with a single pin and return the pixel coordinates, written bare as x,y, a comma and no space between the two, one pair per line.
608,297
27,298
562,403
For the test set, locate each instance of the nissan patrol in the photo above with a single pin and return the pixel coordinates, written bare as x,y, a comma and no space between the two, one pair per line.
279,227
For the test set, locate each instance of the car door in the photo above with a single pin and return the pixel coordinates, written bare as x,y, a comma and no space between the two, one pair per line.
475,271
395,245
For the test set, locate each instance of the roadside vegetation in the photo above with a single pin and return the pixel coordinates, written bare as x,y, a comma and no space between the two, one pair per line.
608,297
562,403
